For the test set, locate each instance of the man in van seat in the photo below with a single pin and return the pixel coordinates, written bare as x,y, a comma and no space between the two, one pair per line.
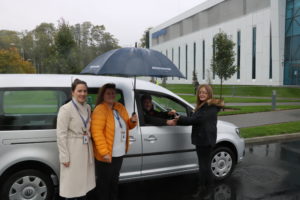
154,117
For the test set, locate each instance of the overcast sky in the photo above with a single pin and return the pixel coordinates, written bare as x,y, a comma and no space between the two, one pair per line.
125,19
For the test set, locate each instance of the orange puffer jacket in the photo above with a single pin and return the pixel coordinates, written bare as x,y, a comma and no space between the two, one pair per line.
103,128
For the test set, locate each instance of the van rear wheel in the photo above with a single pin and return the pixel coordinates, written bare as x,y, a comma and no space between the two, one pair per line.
28,184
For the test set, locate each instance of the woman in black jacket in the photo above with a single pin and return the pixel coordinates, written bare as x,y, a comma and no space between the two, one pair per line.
204,131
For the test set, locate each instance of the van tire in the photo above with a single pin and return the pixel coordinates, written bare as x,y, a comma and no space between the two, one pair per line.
27,184
222,162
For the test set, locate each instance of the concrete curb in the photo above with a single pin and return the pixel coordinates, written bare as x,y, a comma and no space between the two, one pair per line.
271,139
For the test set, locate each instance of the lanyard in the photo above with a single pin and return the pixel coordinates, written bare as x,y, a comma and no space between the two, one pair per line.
85,122
116,114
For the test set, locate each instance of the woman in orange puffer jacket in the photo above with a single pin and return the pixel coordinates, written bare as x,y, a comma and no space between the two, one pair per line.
110,126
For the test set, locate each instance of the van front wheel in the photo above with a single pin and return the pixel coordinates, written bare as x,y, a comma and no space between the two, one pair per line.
222,162
28,184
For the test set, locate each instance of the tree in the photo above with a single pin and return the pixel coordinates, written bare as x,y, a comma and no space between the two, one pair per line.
195,81
39,45
144,41
65,50
9,39
61,49
223,60
12,62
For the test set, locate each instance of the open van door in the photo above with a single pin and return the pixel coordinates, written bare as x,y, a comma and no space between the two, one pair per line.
166,149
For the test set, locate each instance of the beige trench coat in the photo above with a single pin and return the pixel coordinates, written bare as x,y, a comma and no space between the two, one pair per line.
79,178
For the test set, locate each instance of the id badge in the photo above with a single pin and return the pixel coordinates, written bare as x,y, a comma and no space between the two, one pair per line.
85,139
123,136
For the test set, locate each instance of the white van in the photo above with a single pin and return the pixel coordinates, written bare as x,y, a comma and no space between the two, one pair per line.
29,166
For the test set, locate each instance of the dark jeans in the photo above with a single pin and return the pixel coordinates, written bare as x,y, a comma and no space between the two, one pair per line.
108,178
205,176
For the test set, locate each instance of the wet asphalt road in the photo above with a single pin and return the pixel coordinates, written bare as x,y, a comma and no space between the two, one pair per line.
269,171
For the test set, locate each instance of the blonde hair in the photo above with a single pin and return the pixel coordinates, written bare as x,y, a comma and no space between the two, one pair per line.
209,91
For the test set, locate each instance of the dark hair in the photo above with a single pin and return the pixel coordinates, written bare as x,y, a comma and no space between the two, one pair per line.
100,96
209,91
146,96
77,82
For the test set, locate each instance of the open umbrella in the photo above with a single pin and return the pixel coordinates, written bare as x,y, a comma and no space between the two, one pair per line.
130,61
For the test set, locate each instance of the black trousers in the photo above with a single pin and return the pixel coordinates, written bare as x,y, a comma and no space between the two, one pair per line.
108,178
205,176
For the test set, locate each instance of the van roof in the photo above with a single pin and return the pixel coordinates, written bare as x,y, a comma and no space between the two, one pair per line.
65,80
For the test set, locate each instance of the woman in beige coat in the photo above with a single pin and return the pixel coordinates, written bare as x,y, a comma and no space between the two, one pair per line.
77,169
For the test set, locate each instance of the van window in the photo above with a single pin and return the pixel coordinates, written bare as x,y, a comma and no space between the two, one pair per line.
161,104
30,109
93,93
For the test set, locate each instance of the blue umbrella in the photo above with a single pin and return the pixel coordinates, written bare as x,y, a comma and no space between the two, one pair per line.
133,62
130,61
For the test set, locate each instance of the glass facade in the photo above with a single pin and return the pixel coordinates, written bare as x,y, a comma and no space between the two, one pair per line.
292,43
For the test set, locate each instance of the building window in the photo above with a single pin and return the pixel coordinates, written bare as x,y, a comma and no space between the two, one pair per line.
214,54
172,60
238,54
270,60
195,56
203,59
254,53
186,61
179,58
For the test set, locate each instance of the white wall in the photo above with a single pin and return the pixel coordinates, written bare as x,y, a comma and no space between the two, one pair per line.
262,20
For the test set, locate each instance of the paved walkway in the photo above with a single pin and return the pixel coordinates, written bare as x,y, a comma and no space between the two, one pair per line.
262,104
262,118
249,97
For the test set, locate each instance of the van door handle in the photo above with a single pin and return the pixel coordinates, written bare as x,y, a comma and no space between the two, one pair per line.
151,138
132,139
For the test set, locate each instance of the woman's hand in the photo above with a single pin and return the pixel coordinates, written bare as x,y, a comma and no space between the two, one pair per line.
172,112
172,122
66,164
107,158
133,118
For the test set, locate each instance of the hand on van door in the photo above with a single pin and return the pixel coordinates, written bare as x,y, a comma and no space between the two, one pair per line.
66,164
172,122
133,118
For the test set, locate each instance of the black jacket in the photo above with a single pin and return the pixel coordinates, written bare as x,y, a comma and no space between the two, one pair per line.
204,123
155,118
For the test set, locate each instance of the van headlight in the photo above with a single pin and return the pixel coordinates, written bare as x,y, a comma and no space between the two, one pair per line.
237,131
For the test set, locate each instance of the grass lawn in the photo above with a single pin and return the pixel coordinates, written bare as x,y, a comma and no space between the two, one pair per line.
272,129
192,99
234,110
241,90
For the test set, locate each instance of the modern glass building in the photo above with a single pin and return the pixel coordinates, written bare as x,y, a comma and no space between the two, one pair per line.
266,34
292,43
